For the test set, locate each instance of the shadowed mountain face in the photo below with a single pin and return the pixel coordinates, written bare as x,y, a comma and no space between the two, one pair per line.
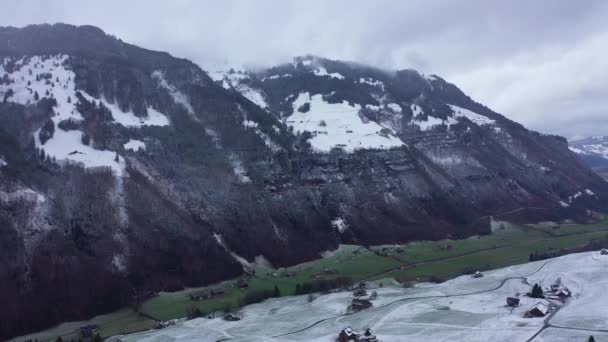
125,171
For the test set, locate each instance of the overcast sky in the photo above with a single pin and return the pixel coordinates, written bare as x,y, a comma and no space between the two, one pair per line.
541,63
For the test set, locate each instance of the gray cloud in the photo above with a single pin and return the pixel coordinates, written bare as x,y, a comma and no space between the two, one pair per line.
541,63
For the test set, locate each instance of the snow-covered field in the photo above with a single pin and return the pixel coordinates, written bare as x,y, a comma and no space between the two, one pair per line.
462,309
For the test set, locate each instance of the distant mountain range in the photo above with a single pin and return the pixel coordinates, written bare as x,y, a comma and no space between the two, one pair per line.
593,150
125,171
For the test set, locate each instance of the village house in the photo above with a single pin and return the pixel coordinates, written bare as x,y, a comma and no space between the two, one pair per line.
165,324
360,293
359,304
477,274
346,335
538,310
559,291
512,302
231,317
604,251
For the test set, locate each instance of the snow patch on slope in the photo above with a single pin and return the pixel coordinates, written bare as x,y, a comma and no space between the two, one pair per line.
176,94
42,76
321,71
338,125
474,117
253,95
135,145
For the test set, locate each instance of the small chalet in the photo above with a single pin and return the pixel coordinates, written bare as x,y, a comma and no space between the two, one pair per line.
538,310
360,293
512,302
346,335
165,324
477,274
564,292
359,304
604,251
232,318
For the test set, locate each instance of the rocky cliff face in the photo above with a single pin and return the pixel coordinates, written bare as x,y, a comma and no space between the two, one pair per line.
125,171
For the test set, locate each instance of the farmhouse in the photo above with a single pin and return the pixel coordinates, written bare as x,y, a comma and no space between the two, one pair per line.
559,291
232,318
604,251
538,310
477,274
512,302
359,304
360,293
346,335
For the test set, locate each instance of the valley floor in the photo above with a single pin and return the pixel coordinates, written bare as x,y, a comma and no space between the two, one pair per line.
412,263
465,308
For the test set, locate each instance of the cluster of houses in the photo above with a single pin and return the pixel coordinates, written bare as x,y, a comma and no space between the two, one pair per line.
348,334
362,300
558,291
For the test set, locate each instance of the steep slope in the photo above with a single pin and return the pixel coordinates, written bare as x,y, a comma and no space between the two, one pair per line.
458,154
125,171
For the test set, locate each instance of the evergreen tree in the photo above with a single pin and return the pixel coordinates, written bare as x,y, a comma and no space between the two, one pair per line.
59,339
36,96
298,289
276,292
537,292
591,339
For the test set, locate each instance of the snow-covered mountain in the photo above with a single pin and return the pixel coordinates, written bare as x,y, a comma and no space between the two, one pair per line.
593,150
139,170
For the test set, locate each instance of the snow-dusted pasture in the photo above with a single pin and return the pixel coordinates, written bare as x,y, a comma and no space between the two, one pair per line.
462,309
